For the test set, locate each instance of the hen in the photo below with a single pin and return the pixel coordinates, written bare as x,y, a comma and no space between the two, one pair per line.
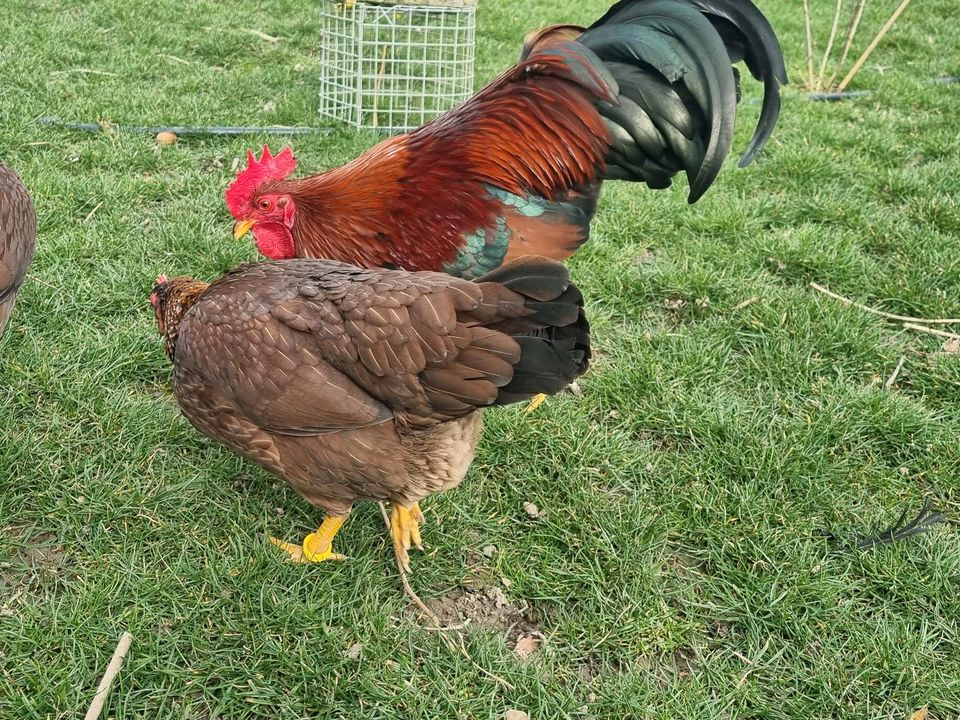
365,384
18,232
646,92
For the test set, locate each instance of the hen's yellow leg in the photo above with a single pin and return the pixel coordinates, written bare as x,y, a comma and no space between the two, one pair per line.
535,402
405,531
317,546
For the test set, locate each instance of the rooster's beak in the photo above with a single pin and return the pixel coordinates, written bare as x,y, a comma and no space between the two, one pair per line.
242,227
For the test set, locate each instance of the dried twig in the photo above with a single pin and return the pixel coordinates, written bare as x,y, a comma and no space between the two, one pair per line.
176,59
746,303
262,35
873,45
881,313
407,588
455,646
895,374
116,662
44,283
83,71
930,330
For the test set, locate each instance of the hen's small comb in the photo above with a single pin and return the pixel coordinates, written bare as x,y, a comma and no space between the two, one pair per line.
268,167
161,279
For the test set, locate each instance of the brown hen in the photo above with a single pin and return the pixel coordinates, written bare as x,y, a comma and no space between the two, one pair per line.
357,384
18,232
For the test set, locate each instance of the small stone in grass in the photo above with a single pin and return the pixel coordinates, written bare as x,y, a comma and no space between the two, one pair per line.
515,715
526,646
166,138
489,550
533,511
353,652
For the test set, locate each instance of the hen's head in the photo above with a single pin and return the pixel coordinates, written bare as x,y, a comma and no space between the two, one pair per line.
171,299
256,202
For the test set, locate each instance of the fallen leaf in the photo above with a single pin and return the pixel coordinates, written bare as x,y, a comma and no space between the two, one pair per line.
353,652
951,346
526,646
920,714
515,715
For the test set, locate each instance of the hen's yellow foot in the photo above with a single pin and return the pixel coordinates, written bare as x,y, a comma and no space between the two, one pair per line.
317,546
535,402
405,531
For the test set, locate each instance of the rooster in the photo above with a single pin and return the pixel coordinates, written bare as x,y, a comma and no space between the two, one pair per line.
18,232
365,384
646,92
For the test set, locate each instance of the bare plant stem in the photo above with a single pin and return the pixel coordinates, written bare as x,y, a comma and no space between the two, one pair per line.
873,45
809,29
826,53
855,17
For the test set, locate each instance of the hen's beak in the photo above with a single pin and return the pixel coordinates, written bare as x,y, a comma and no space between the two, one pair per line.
242,227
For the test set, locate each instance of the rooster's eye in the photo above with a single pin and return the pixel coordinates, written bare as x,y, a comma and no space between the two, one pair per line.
264,203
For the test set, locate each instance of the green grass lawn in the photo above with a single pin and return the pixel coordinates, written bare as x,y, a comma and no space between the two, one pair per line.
732,411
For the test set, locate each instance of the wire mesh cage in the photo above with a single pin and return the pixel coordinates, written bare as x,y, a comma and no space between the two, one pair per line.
394,67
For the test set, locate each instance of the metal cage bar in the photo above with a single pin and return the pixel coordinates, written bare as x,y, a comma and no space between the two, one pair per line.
394,67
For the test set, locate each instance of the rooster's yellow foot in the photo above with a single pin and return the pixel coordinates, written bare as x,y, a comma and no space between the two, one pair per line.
405,531
317,546
535,402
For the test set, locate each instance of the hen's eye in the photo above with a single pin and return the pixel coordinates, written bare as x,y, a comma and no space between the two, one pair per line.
264,203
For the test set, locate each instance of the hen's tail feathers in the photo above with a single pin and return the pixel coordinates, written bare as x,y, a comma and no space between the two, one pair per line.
677,91
553,332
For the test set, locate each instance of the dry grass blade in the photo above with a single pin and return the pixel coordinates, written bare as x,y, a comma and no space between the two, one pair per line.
895,374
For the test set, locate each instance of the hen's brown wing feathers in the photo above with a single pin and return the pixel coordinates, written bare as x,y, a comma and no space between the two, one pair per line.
329,347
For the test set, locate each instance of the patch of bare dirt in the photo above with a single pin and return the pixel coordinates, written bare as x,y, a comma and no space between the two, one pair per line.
487,607
28,563
685,660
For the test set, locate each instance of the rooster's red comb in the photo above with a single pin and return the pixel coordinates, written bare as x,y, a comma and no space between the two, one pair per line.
268,167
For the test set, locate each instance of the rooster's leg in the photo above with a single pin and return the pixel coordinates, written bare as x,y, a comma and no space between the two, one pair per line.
317,546
405,531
